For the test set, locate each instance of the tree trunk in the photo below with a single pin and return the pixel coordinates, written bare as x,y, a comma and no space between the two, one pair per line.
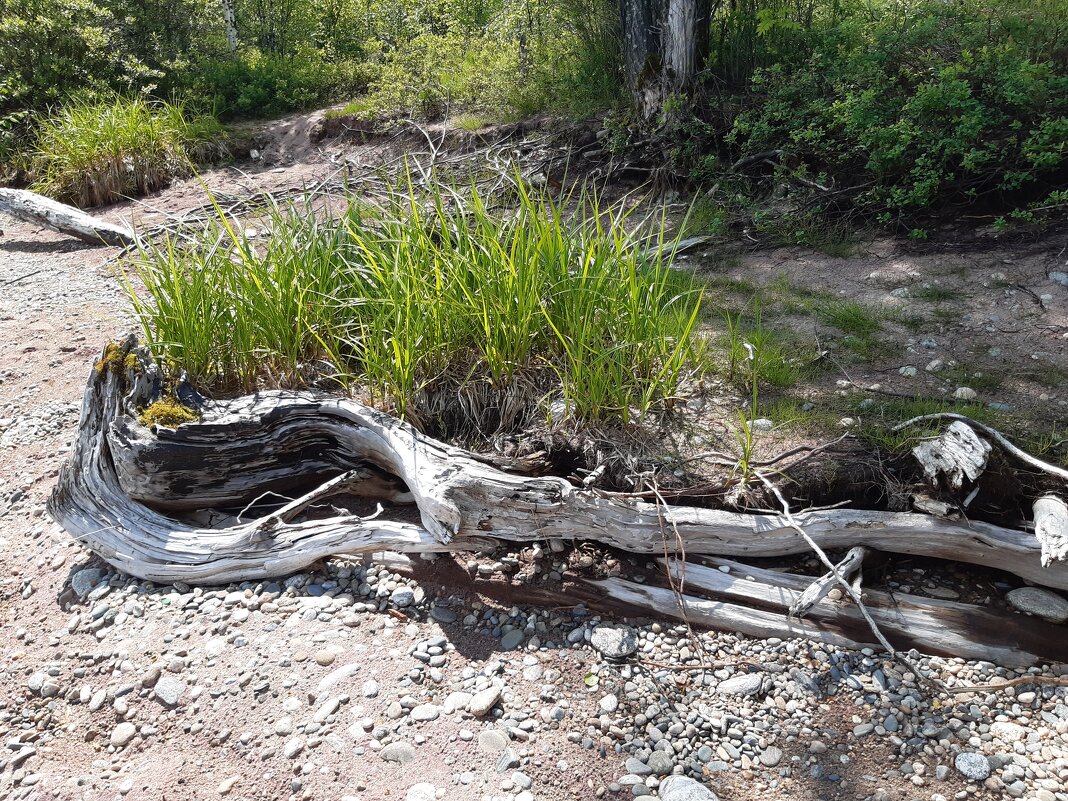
664,44
230,23
34,208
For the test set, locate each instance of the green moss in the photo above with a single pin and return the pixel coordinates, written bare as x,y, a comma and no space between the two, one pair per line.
112,358
168,413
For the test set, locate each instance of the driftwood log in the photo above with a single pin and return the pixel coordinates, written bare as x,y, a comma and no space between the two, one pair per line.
31,207
126,490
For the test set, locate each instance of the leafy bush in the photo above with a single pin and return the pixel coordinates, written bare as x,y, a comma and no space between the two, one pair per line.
92,152
428,291
257,84
924,104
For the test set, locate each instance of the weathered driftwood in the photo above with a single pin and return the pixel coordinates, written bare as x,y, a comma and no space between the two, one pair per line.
755,602
31,207
958,454
121,476
849,568
931,625
1051,529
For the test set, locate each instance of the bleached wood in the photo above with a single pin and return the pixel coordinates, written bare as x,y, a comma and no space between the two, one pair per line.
1051,529
460,501
958,454
850,565
931,625
31,207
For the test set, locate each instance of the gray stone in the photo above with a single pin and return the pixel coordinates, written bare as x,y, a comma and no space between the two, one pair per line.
507,760
424,791
1040,602
293,747
370,689
614,642
745,684
636,767
683,788
512,640
123,733
169,690
483,701
973,766
85,579
402,597
425,712
492,741
443,614
771,756
401,753
660,763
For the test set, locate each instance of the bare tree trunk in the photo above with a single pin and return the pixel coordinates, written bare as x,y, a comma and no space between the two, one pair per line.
230,21
664,42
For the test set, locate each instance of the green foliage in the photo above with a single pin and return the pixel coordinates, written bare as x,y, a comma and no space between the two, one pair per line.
258,84
92,152
922,103
429,291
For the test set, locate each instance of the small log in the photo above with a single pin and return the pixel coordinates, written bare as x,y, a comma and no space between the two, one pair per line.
931,625
1051,529
31,207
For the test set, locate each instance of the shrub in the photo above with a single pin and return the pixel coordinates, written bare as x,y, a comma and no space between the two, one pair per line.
257,84
426,293
92,152
922,105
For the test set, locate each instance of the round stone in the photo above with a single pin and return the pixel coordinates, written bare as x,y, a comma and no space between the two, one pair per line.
123,733
972,765
402,597
614,642
1039,602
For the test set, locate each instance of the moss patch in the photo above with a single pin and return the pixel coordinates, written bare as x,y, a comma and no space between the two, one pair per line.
168,413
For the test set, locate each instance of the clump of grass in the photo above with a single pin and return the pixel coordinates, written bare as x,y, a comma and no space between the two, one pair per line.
426,292
934,294
92,151
763,355
469,122
167,412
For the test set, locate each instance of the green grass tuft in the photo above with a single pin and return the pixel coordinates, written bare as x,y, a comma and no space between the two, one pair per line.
430,291
93,152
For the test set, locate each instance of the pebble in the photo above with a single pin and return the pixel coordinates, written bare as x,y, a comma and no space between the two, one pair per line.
614,642
683,788
399,752
123,733
169,690
972,765
512,640
325,657
492,741
424,791
745,684
965,394
482,702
